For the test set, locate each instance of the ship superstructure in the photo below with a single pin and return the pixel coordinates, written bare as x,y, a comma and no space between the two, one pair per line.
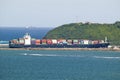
27,39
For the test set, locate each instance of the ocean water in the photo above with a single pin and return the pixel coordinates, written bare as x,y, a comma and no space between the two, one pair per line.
9,33
59,65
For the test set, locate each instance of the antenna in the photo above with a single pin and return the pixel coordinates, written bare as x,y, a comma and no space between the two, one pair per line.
105,39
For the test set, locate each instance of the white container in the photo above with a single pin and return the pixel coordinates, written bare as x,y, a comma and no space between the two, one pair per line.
86,41
75,41
101,41
54,41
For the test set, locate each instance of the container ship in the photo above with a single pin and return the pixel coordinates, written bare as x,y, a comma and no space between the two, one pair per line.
28,42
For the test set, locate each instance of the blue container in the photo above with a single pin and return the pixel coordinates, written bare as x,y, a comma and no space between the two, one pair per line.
33,42
81,42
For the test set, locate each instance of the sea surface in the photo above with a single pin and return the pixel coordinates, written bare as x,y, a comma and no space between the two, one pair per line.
9,33
59,65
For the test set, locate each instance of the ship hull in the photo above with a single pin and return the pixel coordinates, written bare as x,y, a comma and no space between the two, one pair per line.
102,45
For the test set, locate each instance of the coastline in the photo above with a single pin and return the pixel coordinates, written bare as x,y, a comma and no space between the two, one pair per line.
82,49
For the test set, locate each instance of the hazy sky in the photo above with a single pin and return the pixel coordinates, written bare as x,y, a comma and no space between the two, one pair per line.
53,13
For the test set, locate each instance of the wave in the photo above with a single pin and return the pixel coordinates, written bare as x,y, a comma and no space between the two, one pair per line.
51,55
60,55
27,54
106,57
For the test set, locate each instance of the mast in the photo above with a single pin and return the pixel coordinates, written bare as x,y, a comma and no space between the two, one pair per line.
106,40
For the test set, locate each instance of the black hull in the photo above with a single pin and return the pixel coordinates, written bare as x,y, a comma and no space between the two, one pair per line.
103,45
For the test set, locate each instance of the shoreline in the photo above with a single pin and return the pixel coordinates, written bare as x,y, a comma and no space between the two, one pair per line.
80,49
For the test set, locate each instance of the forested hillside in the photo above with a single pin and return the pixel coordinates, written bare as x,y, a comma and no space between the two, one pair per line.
93,31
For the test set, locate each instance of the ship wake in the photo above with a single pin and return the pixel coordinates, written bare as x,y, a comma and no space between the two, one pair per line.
60,55
102,57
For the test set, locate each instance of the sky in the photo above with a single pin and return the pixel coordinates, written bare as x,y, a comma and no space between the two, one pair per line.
53,13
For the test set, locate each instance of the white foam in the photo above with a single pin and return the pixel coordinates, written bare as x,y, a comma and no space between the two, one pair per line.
43,55
107,57
24,54
52,55
60,55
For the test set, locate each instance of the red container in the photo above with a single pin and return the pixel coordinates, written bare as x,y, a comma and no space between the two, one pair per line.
37,41
43,41
95,42
49,41
14,41
61,41
69,41
101,41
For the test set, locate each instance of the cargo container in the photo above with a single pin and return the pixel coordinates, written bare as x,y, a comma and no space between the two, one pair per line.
81,41
101,41
86,41
54,41
21,41
90,41
37,41
15,41
49,41
69,42
64,41
75,41
43,41
95,42
61,41
33,42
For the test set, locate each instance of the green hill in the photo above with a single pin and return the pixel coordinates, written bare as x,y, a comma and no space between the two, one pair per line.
93,31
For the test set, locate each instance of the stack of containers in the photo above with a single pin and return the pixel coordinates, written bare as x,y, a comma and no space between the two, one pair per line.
101,41
61,41
21,40
64,41
81,41
33,41
95,42
86,41
37,41
15,41
90,41
54,41
44,41
69,42
49,41
75,41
